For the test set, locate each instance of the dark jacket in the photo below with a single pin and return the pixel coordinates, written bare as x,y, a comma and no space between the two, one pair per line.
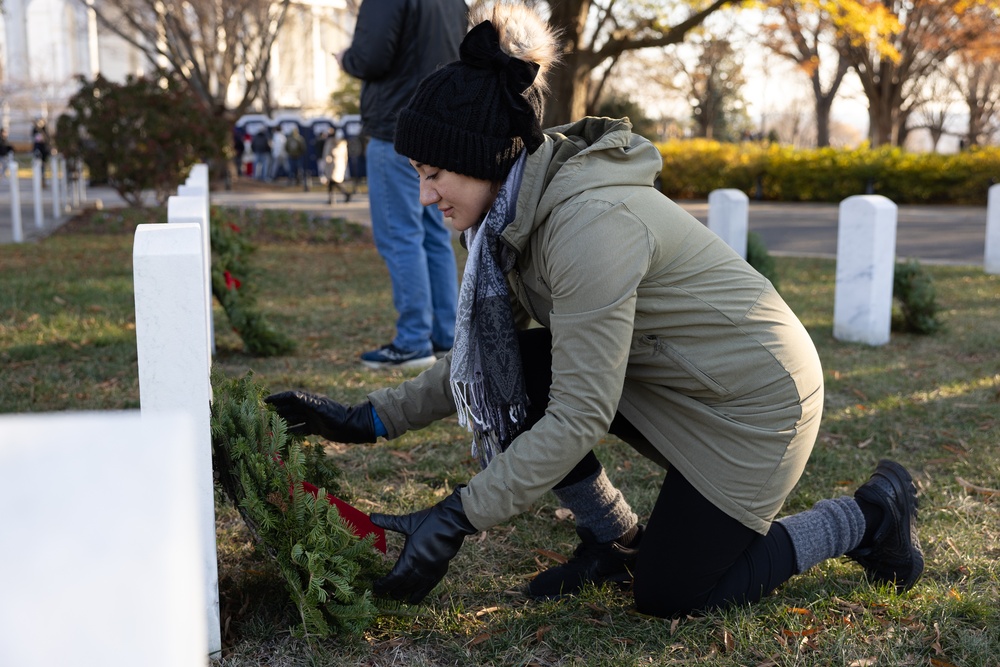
396,44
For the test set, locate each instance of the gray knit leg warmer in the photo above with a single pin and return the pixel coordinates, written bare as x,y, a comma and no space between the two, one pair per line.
598,506
828,530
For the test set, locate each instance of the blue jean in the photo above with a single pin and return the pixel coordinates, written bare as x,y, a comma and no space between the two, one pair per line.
416,246
262,166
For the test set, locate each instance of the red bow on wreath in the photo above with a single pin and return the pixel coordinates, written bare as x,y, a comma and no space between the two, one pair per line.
357,520
231,282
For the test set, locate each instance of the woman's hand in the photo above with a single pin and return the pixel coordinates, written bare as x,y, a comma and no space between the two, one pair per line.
309,414
433,537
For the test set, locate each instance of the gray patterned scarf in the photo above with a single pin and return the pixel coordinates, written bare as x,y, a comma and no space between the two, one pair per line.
486,376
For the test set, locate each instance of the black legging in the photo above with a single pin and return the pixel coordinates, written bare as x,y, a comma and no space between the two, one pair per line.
693,556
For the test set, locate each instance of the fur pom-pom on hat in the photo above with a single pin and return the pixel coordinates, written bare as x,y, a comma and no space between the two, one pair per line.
475,115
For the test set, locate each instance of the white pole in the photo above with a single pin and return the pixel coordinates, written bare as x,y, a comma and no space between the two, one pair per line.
74,184
64,183
36,186
15,199
54,180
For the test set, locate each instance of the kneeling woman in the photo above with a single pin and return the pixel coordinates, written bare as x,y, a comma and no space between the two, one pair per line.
652,329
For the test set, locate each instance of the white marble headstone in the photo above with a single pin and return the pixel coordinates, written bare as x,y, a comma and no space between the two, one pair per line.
101,558
991,258
191,205
174,361
866,262
728,213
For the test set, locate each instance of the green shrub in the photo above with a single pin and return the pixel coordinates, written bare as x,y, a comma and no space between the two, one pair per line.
142,135
759,258
914,300
694,168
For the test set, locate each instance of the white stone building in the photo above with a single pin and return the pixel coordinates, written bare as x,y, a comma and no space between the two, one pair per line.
46,44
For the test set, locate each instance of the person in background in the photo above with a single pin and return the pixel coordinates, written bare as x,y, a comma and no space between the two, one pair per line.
6,153
261,147
279,157
651,328
295,146
40,144
333,164
397,43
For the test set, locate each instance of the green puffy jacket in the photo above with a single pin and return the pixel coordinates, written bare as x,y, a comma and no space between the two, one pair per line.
652,315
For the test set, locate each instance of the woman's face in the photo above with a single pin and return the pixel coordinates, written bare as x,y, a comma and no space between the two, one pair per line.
462,198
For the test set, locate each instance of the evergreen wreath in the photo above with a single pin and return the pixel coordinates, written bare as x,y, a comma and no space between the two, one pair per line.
232,285
914,300
327,569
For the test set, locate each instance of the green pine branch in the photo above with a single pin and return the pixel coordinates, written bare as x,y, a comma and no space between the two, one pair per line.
261,468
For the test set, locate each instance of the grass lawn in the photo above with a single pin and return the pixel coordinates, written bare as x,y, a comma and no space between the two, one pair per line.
67,342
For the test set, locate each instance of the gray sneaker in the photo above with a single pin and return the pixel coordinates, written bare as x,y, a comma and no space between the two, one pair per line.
592,562
390,356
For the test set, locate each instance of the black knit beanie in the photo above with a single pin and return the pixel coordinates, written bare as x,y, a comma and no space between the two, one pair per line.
473,116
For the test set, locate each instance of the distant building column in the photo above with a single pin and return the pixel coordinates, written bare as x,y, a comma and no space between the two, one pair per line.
16,22
93,47
319,58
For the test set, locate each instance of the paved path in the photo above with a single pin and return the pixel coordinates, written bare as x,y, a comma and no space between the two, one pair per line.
932,234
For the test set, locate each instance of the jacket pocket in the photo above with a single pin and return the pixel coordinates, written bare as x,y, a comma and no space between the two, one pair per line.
679,372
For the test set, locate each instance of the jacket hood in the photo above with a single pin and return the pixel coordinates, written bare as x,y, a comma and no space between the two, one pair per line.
576,158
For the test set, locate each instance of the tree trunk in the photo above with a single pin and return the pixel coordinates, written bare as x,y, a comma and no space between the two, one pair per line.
567,99
823,105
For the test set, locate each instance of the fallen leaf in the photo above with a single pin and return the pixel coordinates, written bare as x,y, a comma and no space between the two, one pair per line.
564,514
728,643
480,638
673,626
937,662
799,633
978,490
487,610
559,558
540,632
863,662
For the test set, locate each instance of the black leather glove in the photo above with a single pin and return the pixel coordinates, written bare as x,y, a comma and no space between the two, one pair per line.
433,537
309,414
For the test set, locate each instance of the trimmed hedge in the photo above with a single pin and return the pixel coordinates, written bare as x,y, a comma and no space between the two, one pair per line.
693,168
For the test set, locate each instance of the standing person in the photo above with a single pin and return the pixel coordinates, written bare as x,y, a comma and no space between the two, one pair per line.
261,147
295,146
279,156
6,153
40,144
238,148
397,43
653,329
334,164
355,153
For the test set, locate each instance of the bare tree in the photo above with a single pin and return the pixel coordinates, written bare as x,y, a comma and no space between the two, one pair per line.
811,33
595,33
932,110
215,46
975,73
932,30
